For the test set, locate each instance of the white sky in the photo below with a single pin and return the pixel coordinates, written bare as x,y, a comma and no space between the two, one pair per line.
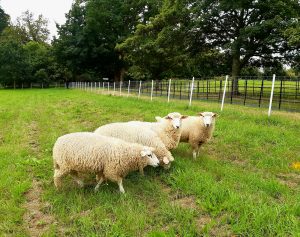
53,10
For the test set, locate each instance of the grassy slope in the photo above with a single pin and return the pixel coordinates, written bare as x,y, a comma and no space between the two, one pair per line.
242,182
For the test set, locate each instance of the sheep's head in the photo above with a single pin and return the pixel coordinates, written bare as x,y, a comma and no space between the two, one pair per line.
147,153
208,118
175,119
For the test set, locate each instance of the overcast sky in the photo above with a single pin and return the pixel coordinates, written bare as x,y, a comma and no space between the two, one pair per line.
53,10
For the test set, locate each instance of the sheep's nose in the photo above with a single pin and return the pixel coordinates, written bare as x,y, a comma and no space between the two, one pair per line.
177,126
207,125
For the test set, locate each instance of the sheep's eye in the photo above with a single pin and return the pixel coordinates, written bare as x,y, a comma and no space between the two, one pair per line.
149,155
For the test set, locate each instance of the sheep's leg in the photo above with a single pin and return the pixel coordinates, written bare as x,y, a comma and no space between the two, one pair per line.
100,179
115,178
78,180
121,188
194,154
141,169
198,150
195,150
58,174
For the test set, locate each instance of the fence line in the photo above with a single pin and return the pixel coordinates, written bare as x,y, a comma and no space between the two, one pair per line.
251,91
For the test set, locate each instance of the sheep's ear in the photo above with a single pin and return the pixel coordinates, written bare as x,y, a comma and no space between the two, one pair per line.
201,114
184,116
215,115
143,153
158,119
168,117
152,149
166,160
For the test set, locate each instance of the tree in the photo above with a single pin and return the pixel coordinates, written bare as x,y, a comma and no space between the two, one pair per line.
292,35
158,47
4,20
14,66
33,29
87,41
250,31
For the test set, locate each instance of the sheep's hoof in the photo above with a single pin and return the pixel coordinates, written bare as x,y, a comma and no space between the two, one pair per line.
96,189
80,184
168,166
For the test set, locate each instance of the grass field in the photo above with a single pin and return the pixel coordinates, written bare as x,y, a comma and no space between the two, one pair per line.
243,183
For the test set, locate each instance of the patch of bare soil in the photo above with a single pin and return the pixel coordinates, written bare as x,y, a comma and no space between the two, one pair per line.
36,221
221,231
184,201
292,180
33,137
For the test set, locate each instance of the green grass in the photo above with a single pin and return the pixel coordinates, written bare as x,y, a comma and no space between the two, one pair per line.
242,183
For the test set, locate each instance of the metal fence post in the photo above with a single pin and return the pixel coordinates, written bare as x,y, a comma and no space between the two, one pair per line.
192,89
261,91
120,88
271,96
169,90
140,89
151,90
128,88
224,93
280,93
246,88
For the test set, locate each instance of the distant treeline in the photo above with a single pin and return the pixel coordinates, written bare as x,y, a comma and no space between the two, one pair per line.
153,39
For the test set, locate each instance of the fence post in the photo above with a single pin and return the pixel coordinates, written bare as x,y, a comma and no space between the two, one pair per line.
108,86
120,88
180,90
224,92
140,89
280,95
271,96
169,90
198,89
192,89
220,89
207,89
128,88
232,84
151,90
246,88
261,91
174,85
114,88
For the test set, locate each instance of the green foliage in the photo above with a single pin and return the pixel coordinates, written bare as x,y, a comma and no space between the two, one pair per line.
14,67
88,38
4,20
33,29
246,29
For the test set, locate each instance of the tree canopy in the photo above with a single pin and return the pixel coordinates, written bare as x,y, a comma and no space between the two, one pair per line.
153,39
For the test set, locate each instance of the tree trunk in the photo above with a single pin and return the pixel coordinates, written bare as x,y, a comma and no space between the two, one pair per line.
119,75
236,69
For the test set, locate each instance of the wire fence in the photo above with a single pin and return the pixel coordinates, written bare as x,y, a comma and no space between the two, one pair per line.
27,85
248,91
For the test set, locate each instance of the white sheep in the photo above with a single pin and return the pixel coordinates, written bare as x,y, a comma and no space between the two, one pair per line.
138,134
167,128
109,158
197,130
